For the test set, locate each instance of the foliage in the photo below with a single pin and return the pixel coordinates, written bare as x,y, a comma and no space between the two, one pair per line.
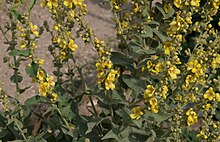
161,83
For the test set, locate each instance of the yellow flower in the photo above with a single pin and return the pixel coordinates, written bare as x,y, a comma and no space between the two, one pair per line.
109,85
62,44
193,65
154,109
217,97
111,76
136,8
62,55
166,8
215,126
153,101
50,80
177,3
195,3
110,79
72,45
176,60
216,4
78,2
192,97
23,34
40,74
33,29
149,92
51,3
149,64
68,3
192,117
173,72
159,67
216,62
43,88
190,79
54,96
56,39
209,94
192,120
189,20
164,91
23,44
136,113
207,106
40,62
168,47
71,15
56,27
175,26
33,44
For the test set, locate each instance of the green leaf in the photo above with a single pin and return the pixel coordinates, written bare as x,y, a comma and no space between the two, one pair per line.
29,70
140,51
16,52
35,100
126,132
16,79
136,84
217,115
170,14
111,135
32,3
159,6
117,98
66,110
153,23
141,131
23,1
148,32
32,69
4,133
138,123
17,15
159,117
161,36
90,126
123,60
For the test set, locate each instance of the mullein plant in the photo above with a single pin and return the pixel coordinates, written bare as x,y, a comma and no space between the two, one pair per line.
161,84
181,74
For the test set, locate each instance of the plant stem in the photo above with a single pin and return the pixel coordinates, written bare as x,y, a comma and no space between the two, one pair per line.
93,106
16,75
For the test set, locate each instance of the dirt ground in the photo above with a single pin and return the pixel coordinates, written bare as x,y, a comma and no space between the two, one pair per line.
99,18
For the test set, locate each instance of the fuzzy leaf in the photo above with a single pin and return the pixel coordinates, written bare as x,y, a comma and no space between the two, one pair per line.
16,79
123,60
32,3
16,52
159,117
111,135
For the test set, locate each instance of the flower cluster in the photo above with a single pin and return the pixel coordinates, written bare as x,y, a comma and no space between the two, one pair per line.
192,117
46,84
104,66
